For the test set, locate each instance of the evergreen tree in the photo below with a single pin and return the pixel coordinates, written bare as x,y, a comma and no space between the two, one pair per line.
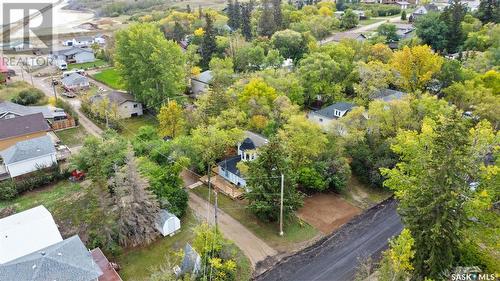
267,26
237,14
453,16
188,9
431,184
178,32
278,16
489,11
230,14
200,12
209,45
246,26
340,5
403,15
264,183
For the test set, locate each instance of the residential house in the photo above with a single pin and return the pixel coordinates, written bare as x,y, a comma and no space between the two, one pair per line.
28,156
388,95
247,151
403,4
167,223
75,81
325,116
32,249
85,41
347,35
422,10
26,232
404,30
22,128
201,82
73,55
126,104
56,117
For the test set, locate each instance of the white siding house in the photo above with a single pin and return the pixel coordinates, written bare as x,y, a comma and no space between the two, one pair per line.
28,156
325,116
75,81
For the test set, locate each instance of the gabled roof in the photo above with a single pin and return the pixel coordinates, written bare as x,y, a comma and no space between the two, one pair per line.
230,164
120,97
258,140
348,35
74,79
23,125
48,112
28,149
71,51
26,232
330,110
204,77
388,95
247,144
65,260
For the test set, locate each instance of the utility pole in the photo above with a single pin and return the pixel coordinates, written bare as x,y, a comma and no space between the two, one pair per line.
209,192
281,203
53,86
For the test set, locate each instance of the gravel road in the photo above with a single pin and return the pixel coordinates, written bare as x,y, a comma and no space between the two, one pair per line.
336,257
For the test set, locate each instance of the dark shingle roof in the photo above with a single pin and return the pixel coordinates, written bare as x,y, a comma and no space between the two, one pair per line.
247,144
388,95
23,125
72,51
230,165
66,260
329,110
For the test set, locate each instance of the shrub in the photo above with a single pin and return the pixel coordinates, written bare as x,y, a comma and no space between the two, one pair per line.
28,97
7,190
67,108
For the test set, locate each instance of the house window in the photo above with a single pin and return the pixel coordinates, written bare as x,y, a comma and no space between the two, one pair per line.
135,105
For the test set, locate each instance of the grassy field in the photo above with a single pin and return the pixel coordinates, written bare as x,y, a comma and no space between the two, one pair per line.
88,65
12,89
72,137
131,125
370,21
109,77
296,231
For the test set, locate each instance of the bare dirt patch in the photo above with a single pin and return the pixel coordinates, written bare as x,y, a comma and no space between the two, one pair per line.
327,211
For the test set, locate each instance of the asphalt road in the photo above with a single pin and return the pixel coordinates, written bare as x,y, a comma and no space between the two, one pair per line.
336,257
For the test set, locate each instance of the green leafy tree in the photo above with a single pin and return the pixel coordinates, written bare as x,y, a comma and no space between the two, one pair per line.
432,30
171,119
431,183
222,72
453,16
403,15
389,31
264,183
349,19
178,33
396,264
249,58
289,43
489,11
151,67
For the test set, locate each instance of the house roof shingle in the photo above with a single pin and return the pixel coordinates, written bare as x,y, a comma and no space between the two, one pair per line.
28,149
330,110
23,125
65,260
71,51
230,164
388,95
74,79
48,112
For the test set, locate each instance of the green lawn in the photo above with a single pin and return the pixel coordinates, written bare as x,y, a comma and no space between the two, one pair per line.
12,89
131,125
370,21
295,231
87,65
110,77
72,137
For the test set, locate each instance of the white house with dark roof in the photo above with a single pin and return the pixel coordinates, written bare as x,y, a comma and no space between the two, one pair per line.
11,110
126,104
28,156
325,116
247,151
73,55
201,82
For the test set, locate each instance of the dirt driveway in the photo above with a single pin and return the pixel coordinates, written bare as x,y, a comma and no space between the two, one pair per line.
327,211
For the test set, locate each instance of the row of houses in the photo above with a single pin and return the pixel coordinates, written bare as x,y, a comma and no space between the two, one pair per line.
63,58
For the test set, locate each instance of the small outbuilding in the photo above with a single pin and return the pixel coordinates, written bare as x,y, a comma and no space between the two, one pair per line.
167,223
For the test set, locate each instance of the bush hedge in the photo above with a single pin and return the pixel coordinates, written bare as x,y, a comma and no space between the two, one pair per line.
28,97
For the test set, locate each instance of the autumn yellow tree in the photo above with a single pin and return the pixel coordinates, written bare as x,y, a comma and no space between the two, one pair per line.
416,65
171,119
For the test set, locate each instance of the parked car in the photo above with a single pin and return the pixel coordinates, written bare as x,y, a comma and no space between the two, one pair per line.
69,94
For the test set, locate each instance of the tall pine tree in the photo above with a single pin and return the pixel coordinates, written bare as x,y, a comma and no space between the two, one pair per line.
278,16
267,26
453,16
246,25
489,11
432,184
209,45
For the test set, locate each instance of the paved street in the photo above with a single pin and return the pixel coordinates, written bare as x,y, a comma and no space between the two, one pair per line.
336,257
253,247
